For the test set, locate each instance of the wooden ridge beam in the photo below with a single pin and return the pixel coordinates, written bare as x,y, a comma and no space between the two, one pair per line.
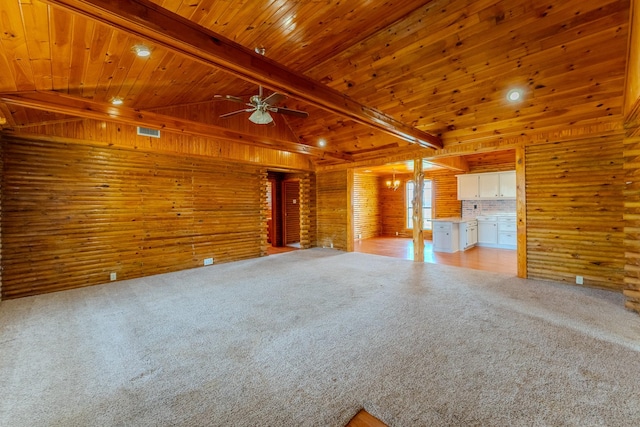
61,103
160,26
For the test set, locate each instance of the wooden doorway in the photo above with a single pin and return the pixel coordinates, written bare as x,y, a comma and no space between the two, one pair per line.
291,210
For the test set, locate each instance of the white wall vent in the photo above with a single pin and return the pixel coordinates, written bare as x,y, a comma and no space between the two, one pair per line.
153,133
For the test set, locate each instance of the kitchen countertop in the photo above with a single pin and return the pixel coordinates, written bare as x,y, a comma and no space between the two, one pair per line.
454,219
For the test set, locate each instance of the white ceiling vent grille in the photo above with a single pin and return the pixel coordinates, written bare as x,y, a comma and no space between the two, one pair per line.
153,133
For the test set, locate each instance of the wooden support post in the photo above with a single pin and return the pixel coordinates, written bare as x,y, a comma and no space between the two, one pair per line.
418,190
521,212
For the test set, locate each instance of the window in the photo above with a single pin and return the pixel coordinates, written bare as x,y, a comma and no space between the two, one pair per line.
426,204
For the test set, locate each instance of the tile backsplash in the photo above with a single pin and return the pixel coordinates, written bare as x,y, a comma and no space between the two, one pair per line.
473,208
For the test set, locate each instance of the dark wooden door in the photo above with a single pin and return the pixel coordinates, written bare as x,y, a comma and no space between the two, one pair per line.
291,212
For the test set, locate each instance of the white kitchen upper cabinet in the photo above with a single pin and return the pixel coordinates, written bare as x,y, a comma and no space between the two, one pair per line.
508,185
489,187
468,187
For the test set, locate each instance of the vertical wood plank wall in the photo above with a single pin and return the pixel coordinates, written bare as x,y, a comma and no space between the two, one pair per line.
124,136
393,210
332,209
574,211
72,214
367,221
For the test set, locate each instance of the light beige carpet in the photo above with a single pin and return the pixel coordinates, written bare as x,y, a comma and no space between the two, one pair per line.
310,337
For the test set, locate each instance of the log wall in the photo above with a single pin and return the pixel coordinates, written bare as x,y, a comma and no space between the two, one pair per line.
73,214
332,209
632,222
574,211
366,206
632,166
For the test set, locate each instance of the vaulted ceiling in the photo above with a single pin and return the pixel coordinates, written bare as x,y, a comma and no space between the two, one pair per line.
376,77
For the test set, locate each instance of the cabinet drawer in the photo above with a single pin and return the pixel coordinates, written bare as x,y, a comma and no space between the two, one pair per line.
507,226
508,239
442,226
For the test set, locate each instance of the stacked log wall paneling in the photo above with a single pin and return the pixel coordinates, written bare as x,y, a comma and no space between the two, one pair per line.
574,211
76,213
264,210
632,165
632,222
125,136
393,203
332,209
307,211
366,206
445,191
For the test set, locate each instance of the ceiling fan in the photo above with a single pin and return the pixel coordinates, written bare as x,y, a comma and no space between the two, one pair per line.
260,107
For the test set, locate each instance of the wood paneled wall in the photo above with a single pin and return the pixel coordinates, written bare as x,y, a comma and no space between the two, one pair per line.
631,155
124,136
308,221
574,211
445,202
632,222
332,209
367,221
73,214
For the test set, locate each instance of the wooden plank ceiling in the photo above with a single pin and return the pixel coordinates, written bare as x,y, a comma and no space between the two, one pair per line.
375,77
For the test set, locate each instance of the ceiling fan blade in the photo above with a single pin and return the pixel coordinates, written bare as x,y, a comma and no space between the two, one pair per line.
274,98
230,98
233,113
289,112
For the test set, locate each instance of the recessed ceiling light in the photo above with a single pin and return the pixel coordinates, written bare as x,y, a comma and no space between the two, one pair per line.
142,51
322,142
117,101
514,95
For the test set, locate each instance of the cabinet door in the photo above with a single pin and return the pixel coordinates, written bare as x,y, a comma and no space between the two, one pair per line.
489,187
441,240
467,187
508,185
488,233
472,235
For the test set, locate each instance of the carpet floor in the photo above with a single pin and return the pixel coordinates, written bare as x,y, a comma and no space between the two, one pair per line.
308,338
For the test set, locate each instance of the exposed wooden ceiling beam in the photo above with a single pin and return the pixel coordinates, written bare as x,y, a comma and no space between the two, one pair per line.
162,27
60,103
451,163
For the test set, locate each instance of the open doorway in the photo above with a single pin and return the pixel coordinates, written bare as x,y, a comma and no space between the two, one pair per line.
283,213
382,211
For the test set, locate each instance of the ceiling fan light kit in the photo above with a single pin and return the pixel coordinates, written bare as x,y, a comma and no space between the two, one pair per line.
260,108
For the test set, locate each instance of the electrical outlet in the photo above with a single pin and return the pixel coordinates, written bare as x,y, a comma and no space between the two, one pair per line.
332,246
396,233
208,261
579,280
113,276
359,236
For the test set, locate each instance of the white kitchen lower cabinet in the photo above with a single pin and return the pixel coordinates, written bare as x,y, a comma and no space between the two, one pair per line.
507,233
468,234
497,232
487,232
446,236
